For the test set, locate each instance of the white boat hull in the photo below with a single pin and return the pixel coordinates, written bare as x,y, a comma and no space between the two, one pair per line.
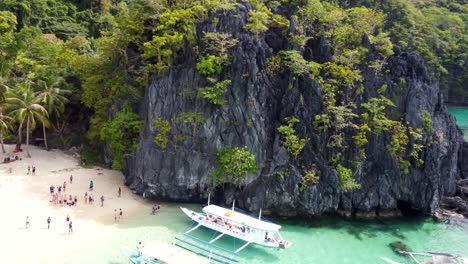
251,236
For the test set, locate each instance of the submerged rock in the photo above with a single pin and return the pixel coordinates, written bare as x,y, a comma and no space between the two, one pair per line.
398,246
257,104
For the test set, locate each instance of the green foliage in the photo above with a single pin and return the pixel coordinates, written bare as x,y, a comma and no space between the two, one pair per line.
282,174
90,156
258,20
261,18
347,182
7,38
278,21
219,44
290,140
382,44
174,26
273,65
405,141
233,164
162,128
121,135
339,74
310,177
294,62
51,16
214,93
376,117
192,118
426,121
210,65
436,29
311,12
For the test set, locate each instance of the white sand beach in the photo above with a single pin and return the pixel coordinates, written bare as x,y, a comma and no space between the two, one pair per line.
24,195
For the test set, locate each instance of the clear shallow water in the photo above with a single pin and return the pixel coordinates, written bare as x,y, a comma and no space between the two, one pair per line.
461,114
328,240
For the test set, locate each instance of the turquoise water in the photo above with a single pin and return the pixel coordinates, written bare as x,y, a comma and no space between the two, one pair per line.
461,114
328,240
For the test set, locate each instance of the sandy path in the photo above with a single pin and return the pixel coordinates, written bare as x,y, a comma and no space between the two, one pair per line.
24,195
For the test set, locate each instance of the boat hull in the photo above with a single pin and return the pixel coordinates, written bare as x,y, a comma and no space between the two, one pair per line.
205,221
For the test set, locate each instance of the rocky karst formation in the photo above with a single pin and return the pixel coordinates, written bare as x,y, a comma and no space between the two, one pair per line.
257,104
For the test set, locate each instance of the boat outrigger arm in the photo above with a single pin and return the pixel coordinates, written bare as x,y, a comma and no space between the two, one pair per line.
218,237
197,226
241,248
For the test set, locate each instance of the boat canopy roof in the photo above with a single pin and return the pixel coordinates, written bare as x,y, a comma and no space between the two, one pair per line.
240,218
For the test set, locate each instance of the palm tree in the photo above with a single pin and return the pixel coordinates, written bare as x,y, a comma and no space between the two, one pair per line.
53,99
4,120
23,106
4,126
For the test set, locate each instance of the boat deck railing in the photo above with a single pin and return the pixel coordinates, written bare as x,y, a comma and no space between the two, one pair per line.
240,211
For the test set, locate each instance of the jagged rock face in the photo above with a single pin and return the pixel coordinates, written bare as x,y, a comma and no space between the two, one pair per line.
256,105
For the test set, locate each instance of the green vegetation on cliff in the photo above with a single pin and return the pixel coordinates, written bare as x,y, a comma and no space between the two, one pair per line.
233,164
98,56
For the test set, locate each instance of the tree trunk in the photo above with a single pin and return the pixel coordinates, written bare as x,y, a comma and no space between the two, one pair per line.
18,140
45,137
27,139
1,140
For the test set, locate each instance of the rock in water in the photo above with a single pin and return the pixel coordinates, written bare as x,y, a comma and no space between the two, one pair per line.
257,103
398,246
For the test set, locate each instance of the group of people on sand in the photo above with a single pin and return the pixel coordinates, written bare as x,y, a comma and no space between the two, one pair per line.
59,196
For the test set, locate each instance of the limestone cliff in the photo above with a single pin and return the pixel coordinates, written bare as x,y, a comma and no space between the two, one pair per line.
256,105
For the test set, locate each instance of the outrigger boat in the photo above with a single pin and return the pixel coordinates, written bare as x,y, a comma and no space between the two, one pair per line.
432,258
229,222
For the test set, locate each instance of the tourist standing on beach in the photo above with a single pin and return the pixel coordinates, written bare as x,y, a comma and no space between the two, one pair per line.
115,216
27,222
29,169
70,227
68,218
52,189
33,170
120,213
64,186
102,200
86,197
76,200
119,192
71,179
139,247
91,185
48,222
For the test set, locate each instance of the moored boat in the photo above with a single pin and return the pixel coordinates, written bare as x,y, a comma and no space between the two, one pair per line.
139,258
241,226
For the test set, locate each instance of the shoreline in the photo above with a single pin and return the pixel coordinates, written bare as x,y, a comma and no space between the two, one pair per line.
23,195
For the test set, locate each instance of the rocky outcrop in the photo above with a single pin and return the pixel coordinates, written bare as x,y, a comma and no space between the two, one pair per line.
256,105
